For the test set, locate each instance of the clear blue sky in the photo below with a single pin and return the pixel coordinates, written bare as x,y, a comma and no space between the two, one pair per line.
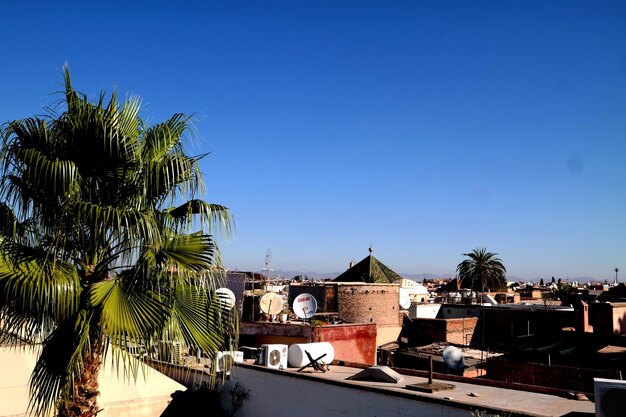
424,128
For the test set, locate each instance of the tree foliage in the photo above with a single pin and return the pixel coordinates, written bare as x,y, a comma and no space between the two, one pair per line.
482,271
564,292
105,244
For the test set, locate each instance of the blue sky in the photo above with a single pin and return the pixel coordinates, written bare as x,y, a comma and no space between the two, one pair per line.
423,128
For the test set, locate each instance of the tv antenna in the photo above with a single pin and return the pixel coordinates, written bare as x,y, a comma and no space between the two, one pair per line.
268,257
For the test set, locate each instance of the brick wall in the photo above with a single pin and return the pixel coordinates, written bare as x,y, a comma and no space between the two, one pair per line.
455,331
369,303
372,303
351,343
460,331
560,377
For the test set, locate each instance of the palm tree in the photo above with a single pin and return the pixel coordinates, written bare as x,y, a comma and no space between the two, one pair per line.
482,271
104,245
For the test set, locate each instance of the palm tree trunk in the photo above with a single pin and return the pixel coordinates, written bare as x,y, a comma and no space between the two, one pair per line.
86,389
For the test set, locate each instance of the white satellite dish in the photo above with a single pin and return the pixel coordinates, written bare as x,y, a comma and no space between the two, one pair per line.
405,298
226,298
271,303
453,357
305,305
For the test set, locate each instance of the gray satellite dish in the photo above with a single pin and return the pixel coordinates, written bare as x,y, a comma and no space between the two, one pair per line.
453,357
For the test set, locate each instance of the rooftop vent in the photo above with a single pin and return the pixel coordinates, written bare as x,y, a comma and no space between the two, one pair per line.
377,374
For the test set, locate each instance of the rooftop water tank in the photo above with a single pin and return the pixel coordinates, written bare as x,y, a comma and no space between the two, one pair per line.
297,356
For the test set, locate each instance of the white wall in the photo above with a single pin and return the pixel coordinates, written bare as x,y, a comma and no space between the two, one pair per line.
424,311
275,395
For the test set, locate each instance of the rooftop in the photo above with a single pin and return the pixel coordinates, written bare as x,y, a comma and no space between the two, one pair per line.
466,395
278,385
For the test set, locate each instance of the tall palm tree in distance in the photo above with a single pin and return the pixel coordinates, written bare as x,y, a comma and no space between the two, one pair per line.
104,245
482,271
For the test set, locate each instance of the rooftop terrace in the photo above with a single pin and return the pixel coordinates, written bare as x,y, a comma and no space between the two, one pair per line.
289,392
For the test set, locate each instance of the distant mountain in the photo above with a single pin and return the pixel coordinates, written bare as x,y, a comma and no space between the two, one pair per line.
426,275
318,276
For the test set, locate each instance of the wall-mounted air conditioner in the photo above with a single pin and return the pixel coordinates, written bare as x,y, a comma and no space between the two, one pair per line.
224,360
273,356
176,353
610,397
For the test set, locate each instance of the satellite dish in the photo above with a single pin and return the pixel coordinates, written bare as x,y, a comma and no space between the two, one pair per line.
305,305
453,357
405,298
271,303
226,298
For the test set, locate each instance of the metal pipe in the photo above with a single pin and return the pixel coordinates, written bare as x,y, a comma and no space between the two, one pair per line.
430,369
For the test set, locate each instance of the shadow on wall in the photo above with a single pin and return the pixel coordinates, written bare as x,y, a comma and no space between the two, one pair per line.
188,402
622,324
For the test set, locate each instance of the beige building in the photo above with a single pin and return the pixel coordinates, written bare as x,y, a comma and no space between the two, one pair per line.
147,397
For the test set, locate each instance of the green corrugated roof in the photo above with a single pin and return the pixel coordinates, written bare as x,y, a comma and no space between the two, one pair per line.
369,270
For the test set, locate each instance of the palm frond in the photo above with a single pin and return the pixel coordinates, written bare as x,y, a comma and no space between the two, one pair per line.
60,362
127,312
107,221
192,253
198,319
130,317
32,132
161,139
56,178
9,225
215,217
36,287
482,269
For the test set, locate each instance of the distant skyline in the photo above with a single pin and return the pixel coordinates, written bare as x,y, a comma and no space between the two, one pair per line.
424,128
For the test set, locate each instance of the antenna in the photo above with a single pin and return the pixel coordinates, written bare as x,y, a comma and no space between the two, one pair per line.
453,357
268,256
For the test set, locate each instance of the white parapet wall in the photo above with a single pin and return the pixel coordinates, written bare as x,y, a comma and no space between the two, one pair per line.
119,397
287,395
291,393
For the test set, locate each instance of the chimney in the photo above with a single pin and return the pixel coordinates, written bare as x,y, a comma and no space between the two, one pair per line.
582,317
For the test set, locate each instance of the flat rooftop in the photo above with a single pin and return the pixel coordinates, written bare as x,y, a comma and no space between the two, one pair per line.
464,394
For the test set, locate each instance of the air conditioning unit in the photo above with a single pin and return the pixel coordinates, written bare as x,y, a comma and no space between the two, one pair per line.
610,397
224,360
176,353
273,356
